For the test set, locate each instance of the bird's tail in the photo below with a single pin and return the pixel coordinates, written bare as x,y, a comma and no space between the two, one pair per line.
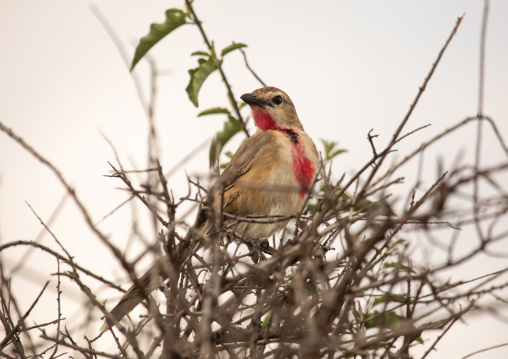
137,292
152,279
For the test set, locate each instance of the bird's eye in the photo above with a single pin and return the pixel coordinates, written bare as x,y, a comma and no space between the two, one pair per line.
277,100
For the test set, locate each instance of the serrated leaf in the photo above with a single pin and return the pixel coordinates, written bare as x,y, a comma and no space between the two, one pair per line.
231,128
198,77
174,19
230,48
214,111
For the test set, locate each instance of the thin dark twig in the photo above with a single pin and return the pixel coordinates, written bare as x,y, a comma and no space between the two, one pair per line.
69,257
422,147
485,349
412,132
136,193
479,129
250,68
440,336
483,43
22,261
110,213
82,349
21,320
62,258
58,308
426,81
71,192
497,133
232,98
328,289
124,54
422,88
371,141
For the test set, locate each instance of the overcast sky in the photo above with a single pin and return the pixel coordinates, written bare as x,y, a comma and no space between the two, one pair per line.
349,66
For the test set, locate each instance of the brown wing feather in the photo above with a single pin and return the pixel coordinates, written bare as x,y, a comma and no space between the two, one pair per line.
244,158
240,164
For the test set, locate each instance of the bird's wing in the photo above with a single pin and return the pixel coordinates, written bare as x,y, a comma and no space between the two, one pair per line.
242,160
240,163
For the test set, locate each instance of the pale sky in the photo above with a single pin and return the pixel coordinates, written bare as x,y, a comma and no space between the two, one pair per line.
349,66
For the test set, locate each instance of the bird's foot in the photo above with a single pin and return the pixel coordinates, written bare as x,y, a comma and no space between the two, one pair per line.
256,247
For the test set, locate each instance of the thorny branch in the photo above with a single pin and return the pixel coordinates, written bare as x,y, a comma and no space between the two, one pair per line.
343,282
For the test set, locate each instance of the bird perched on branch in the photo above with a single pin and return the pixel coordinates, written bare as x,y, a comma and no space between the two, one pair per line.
271,174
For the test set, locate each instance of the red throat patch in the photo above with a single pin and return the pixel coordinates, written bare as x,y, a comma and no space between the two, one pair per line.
264,121
303,166
304,169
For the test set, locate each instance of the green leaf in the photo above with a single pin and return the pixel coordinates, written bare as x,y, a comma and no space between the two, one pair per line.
214,111
174,19
313,207
230,48
379,300
229,155
385,319
267,320
231,128
199,75
330,149
337,152
328,145
395,244
359,205
200,53
398,265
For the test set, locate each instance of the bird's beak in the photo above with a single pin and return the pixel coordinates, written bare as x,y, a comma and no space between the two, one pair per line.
252,100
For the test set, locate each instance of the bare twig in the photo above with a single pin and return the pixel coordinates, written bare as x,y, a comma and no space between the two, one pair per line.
250,69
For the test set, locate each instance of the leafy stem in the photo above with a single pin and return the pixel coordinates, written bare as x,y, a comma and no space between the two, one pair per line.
231,97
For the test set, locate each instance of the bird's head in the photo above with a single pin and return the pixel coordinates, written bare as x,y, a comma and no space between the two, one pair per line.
272,108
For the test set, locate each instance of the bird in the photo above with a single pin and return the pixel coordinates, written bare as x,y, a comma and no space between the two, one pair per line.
270,175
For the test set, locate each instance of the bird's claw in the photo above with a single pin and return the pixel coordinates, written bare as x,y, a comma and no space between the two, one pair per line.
257,246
